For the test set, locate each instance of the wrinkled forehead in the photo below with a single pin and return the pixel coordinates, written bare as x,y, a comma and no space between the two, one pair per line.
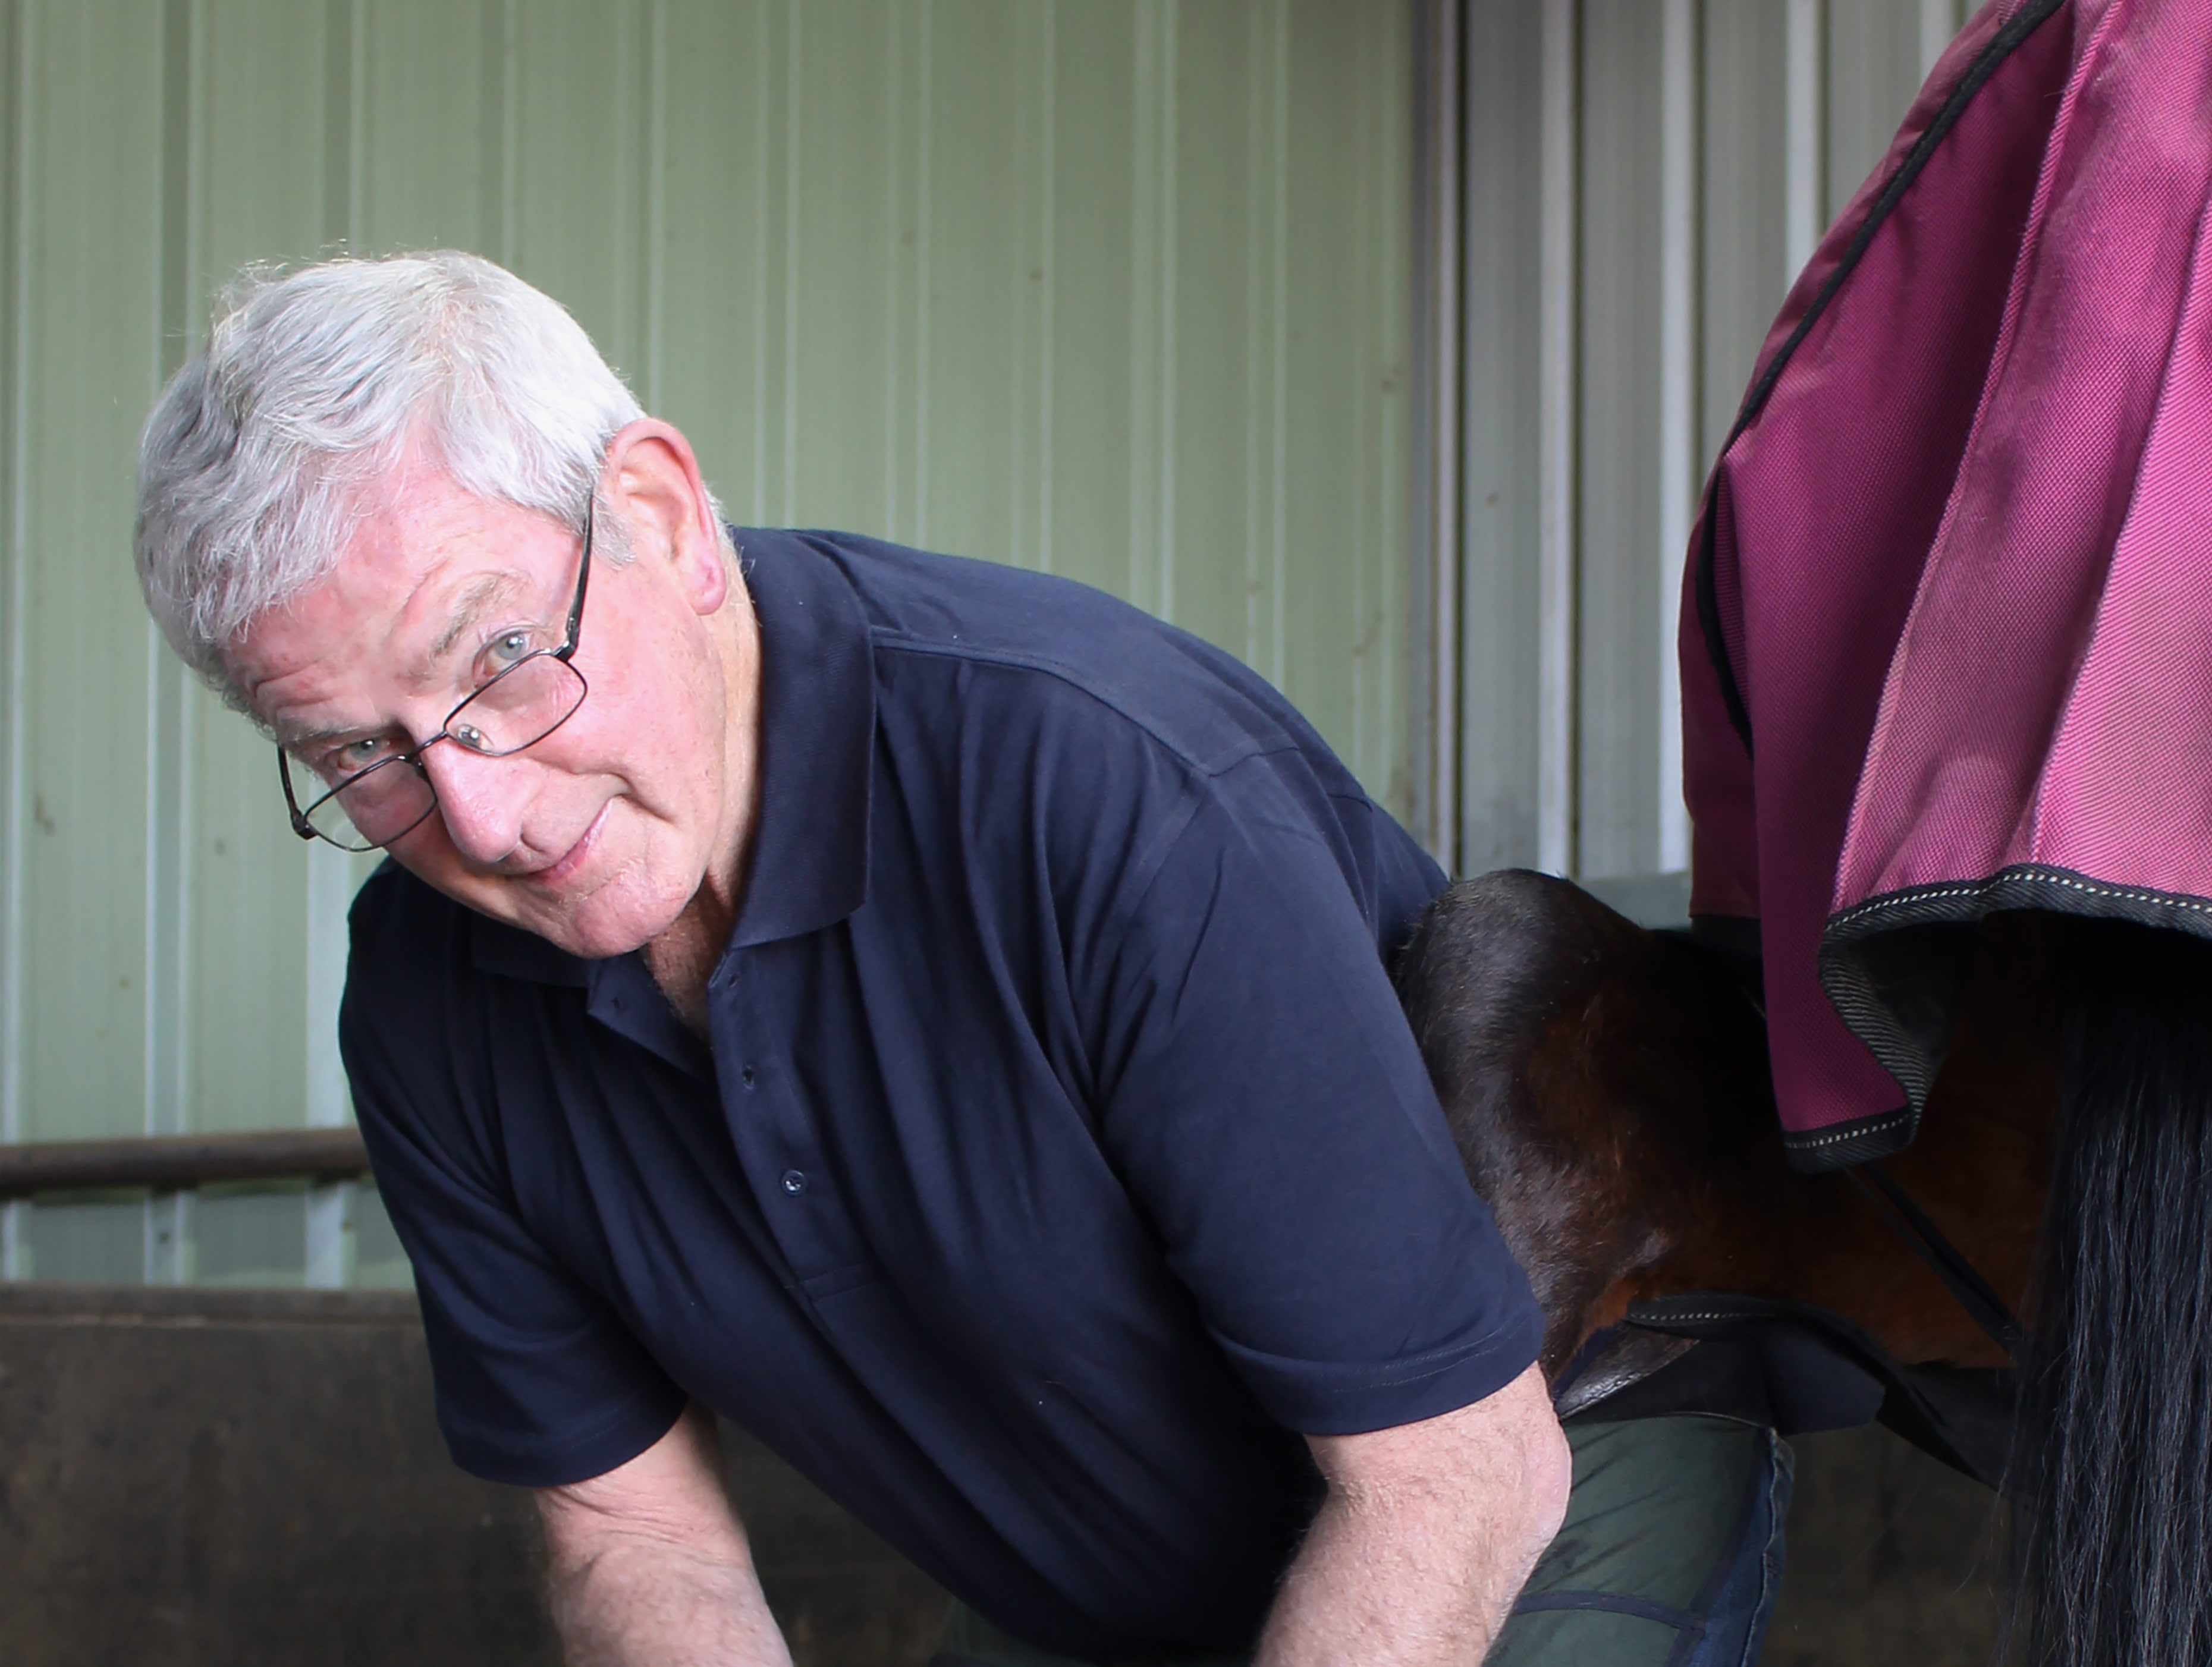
387,620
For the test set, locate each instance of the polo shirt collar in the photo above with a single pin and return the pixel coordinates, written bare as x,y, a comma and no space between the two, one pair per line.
817,722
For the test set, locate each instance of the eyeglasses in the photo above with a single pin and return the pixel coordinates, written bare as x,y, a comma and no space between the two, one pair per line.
518,707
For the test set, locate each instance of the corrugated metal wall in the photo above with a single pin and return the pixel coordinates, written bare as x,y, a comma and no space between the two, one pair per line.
1120,290
1644,178
1385,343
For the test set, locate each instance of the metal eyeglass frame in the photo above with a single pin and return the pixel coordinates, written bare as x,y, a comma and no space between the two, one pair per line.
413,757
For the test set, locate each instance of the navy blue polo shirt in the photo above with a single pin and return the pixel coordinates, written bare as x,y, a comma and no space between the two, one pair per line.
1061,1152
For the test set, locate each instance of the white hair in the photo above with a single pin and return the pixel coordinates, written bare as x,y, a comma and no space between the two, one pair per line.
264,451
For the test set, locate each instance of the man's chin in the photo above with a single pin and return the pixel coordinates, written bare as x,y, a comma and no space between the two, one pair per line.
594,930
596,927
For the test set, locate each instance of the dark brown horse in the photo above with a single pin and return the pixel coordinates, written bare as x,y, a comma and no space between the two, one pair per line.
1608,1090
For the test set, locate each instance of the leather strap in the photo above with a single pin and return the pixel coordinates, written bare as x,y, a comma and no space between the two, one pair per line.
1944,1260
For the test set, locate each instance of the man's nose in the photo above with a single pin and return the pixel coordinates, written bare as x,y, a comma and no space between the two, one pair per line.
482,799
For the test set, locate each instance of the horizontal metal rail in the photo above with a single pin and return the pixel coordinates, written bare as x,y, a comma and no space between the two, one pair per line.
172,1162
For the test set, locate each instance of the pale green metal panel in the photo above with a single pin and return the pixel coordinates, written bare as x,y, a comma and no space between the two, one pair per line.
1745,265
1872,69
87,1240
1209,219
262,174
428,122
249,1235
720,253
1500,486
980,181
1336,566
1117,290
1616,758
845,119
1100,277
578,187
380,1262
246,942
267,128
1016,281
88,180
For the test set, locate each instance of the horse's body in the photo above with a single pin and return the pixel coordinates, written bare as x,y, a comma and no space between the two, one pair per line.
1608,1090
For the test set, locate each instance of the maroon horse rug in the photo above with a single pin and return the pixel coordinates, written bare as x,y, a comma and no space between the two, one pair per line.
1949,606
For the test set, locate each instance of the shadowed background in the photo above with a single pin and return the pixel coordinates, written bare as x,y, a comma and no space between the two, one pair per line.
255,1479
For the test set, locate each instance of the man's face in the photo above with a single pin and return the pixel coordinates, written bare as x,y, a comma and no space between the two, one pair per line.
596,837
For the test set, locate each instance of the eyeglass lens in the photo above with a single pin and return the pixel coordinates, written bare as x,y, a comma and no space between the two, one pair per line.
517,709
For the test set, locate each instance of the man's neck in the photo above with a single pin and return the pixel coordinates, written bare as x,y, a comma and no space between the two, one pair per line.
683,958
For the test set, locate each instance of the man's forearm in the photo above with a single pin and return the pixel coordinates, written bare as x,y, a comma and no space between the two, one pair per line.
644,1603
650,1567
1401,1589
1409,1564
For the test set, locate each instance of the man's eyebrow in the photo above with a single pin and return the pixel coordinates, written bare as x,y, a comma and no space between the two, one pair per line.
298,742
474,601
473,605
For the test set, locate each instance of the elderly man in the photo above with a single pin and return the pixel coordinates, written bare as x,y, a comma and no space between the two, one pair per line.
930,1014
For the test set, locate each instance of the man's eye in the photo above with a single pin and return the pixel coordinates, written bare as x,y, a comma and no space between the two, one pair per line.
352,758
504,650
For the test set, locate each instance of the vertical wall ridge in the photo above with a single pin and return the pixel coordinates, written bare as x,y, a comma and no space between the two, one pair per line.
1271,658
1556,438
1163,597
327,1218
1258,338
338,232
652,192
1438,629
924,253
1048,273
15,321
1677,398
1145,165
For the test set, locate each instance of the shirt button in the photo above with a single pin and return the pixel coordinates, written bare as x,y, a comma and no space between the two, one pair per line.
795,1182
745,1076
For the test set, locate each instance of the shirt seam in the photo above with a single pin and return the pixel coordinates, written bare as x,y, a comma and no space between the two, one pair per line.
1169,840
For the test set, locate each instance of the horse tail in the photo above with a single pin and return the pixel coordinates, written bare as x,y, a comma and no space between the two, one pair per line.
2110,1478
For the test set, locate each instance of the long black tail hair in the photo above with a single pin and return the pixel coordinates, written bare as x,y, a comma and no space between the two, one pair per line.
2111,1473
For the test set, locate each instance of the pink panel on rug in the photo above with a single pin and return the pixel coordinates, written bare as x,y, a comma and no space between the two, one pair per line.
1822,513
1968,772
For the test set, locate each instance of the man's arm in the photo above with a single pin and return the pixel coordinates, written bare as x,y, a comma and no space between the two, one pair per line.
650,1565
1427,1533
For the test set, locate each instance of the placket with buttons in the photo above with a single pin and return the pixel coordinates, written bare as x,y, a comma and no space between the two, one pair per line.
753,1010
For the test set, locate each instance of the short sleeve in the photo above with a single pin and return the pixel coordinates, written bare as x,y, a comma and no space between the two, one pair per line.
538,1382
1264,1097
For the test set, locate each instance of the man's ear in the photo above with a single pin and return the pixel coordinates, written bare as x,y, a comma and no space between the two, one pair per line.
652,482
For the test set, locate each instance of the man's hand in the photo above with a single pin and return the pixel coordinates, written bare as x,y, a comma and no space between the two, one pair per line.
650,1565
1427,1533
